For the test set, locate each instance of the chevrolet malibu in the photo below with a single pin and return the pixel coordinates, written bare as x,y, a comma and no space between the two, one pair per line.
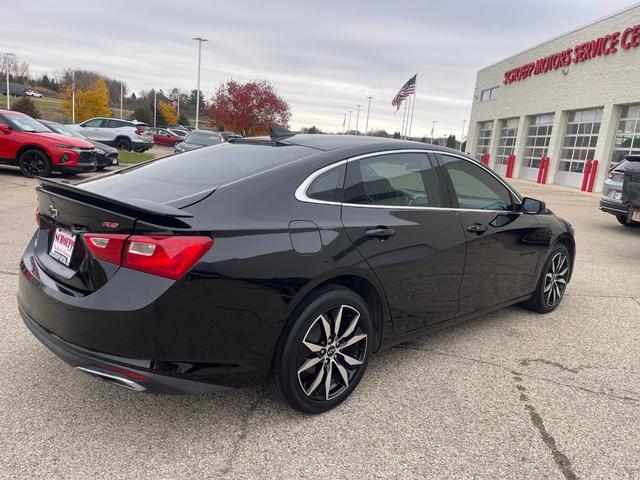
290,259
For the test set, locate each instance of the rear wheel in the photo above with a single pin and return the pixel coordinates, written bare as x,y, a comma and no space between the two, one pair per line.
627,223
324,354
123,143
34,163
553,281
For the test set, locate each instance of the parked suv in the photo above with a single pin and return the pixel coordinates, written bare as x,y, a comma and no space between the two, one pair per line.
28,144
122,134
612,200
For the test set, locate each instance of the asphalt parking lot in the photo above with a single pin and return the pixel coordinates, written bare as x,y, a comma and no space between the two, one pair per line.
510,395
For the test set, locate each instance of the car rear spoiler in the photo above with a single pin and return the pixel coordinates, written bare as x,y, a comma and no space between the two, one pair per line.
135,207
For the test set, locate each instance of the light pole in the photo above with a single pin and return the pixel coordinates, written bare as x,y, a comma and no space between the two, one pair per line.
199,40
366,128
155,101
7,64
462,134
121,95
344,122
349,124
433,126
357,118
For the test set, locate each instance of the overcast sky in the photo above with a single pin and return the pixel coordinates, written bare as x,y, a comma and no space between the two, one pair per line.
323,57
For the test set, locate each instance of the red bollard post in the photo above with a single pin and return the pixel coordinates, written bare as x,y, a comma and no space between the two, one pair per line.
592,178
585,175
545,169
510,163
540,170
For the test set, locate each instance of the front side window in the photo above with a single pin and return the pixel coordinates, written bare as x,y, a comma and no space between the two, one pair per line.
473,187
402,179
95,123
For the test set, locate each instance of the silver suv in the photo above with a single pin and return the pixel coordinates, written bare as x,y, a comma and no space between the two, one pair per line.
122,134
612,201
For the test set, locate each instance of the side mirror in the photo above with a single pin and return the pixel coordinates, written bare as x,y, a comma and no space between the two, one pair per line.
532,206
5,128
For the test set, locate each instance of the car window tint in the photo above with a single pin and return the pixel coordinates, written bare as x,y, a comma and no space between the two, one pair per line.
403,179
328,186
200,138
177,176
475,188
93,123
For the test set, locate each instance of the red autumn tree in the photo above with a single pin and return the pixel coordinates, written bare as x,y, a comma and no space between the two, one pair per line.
248,108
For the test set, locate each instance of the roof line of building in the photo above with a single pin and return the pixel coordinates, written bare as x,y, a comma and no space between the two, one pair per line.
561,35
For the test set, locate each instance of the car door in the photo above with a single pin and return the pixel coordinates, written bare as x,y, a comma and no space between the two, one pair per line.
395,212
10,141
503,244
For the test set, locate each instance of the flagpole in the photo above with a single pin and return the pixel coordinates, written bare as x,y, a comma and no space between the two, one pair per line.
413,109
73,97
404,114
121,95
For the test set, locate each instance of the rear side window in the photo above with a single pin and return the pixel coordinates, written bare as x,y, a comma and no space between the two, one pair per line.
403,179
473,187
328,186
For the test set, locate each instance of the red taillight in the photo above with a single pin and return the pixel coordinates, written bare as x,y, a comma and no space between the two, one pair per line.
165,256
610,175
123,371
106,246
139,132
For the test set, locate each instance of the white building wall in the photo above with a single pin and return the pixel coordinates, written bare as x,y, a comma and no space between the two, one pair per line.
604,82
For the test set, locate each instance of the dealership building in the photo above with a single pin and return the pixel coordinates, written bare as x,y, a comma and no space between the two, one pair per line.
572,100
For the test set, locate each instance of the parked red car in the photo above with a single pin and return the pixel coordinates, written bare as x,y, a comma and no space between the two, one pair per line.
162,136
28,144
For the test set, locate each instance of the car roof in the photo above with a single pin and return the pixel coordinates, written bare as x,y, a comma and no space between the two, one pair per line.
327,142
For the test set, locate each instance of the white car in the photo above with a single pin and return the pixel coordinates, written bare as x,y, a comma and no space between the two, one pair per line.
122,134
31,93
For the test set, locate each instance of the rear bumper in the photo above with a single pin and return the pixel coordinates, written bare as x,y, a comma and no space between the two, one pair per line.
141,144
613,208
134,374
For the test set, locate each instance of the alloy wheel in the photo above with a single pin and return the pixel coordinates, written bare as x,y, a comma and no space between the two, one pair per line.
555,281
33,164
332,352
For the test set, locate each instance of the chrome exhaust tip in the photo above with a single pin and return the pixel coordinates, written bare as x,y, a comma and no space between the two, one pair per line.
115,379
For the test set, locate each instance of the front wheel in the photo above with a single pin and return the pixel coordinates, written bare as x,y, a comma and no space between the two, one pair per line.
34,163
324,354
553,281
627,223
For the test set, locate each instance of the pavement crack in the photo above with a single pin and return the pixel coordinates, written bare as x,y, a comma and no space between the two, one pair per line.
244,429
559,457
527,361
625,398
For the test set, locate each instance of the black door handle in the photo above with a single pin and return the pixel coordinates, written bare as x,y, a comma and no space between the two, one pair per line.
477,228
380,232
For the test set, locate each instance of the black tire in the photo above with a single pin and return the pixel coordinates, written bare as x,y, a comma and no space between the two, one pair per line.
346,353
34,163
101,168
550,289
627,223
123,143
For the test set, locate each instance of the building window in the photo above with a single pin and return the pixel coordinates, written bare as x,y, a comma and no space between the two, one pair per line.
580,139
538,137
507,141
627,141
484,138
489,94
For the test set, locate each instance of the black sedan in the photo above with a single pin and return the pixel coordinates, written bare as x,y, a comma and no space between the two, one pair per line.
105,155
292,258
198,139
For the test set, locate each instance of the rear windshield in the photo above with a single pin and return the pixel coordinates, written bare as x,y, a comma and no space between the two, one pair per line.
203,138
188,173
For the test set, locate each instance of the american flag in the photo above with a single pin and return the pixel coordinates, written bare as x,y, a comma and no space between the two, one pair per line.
406,90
